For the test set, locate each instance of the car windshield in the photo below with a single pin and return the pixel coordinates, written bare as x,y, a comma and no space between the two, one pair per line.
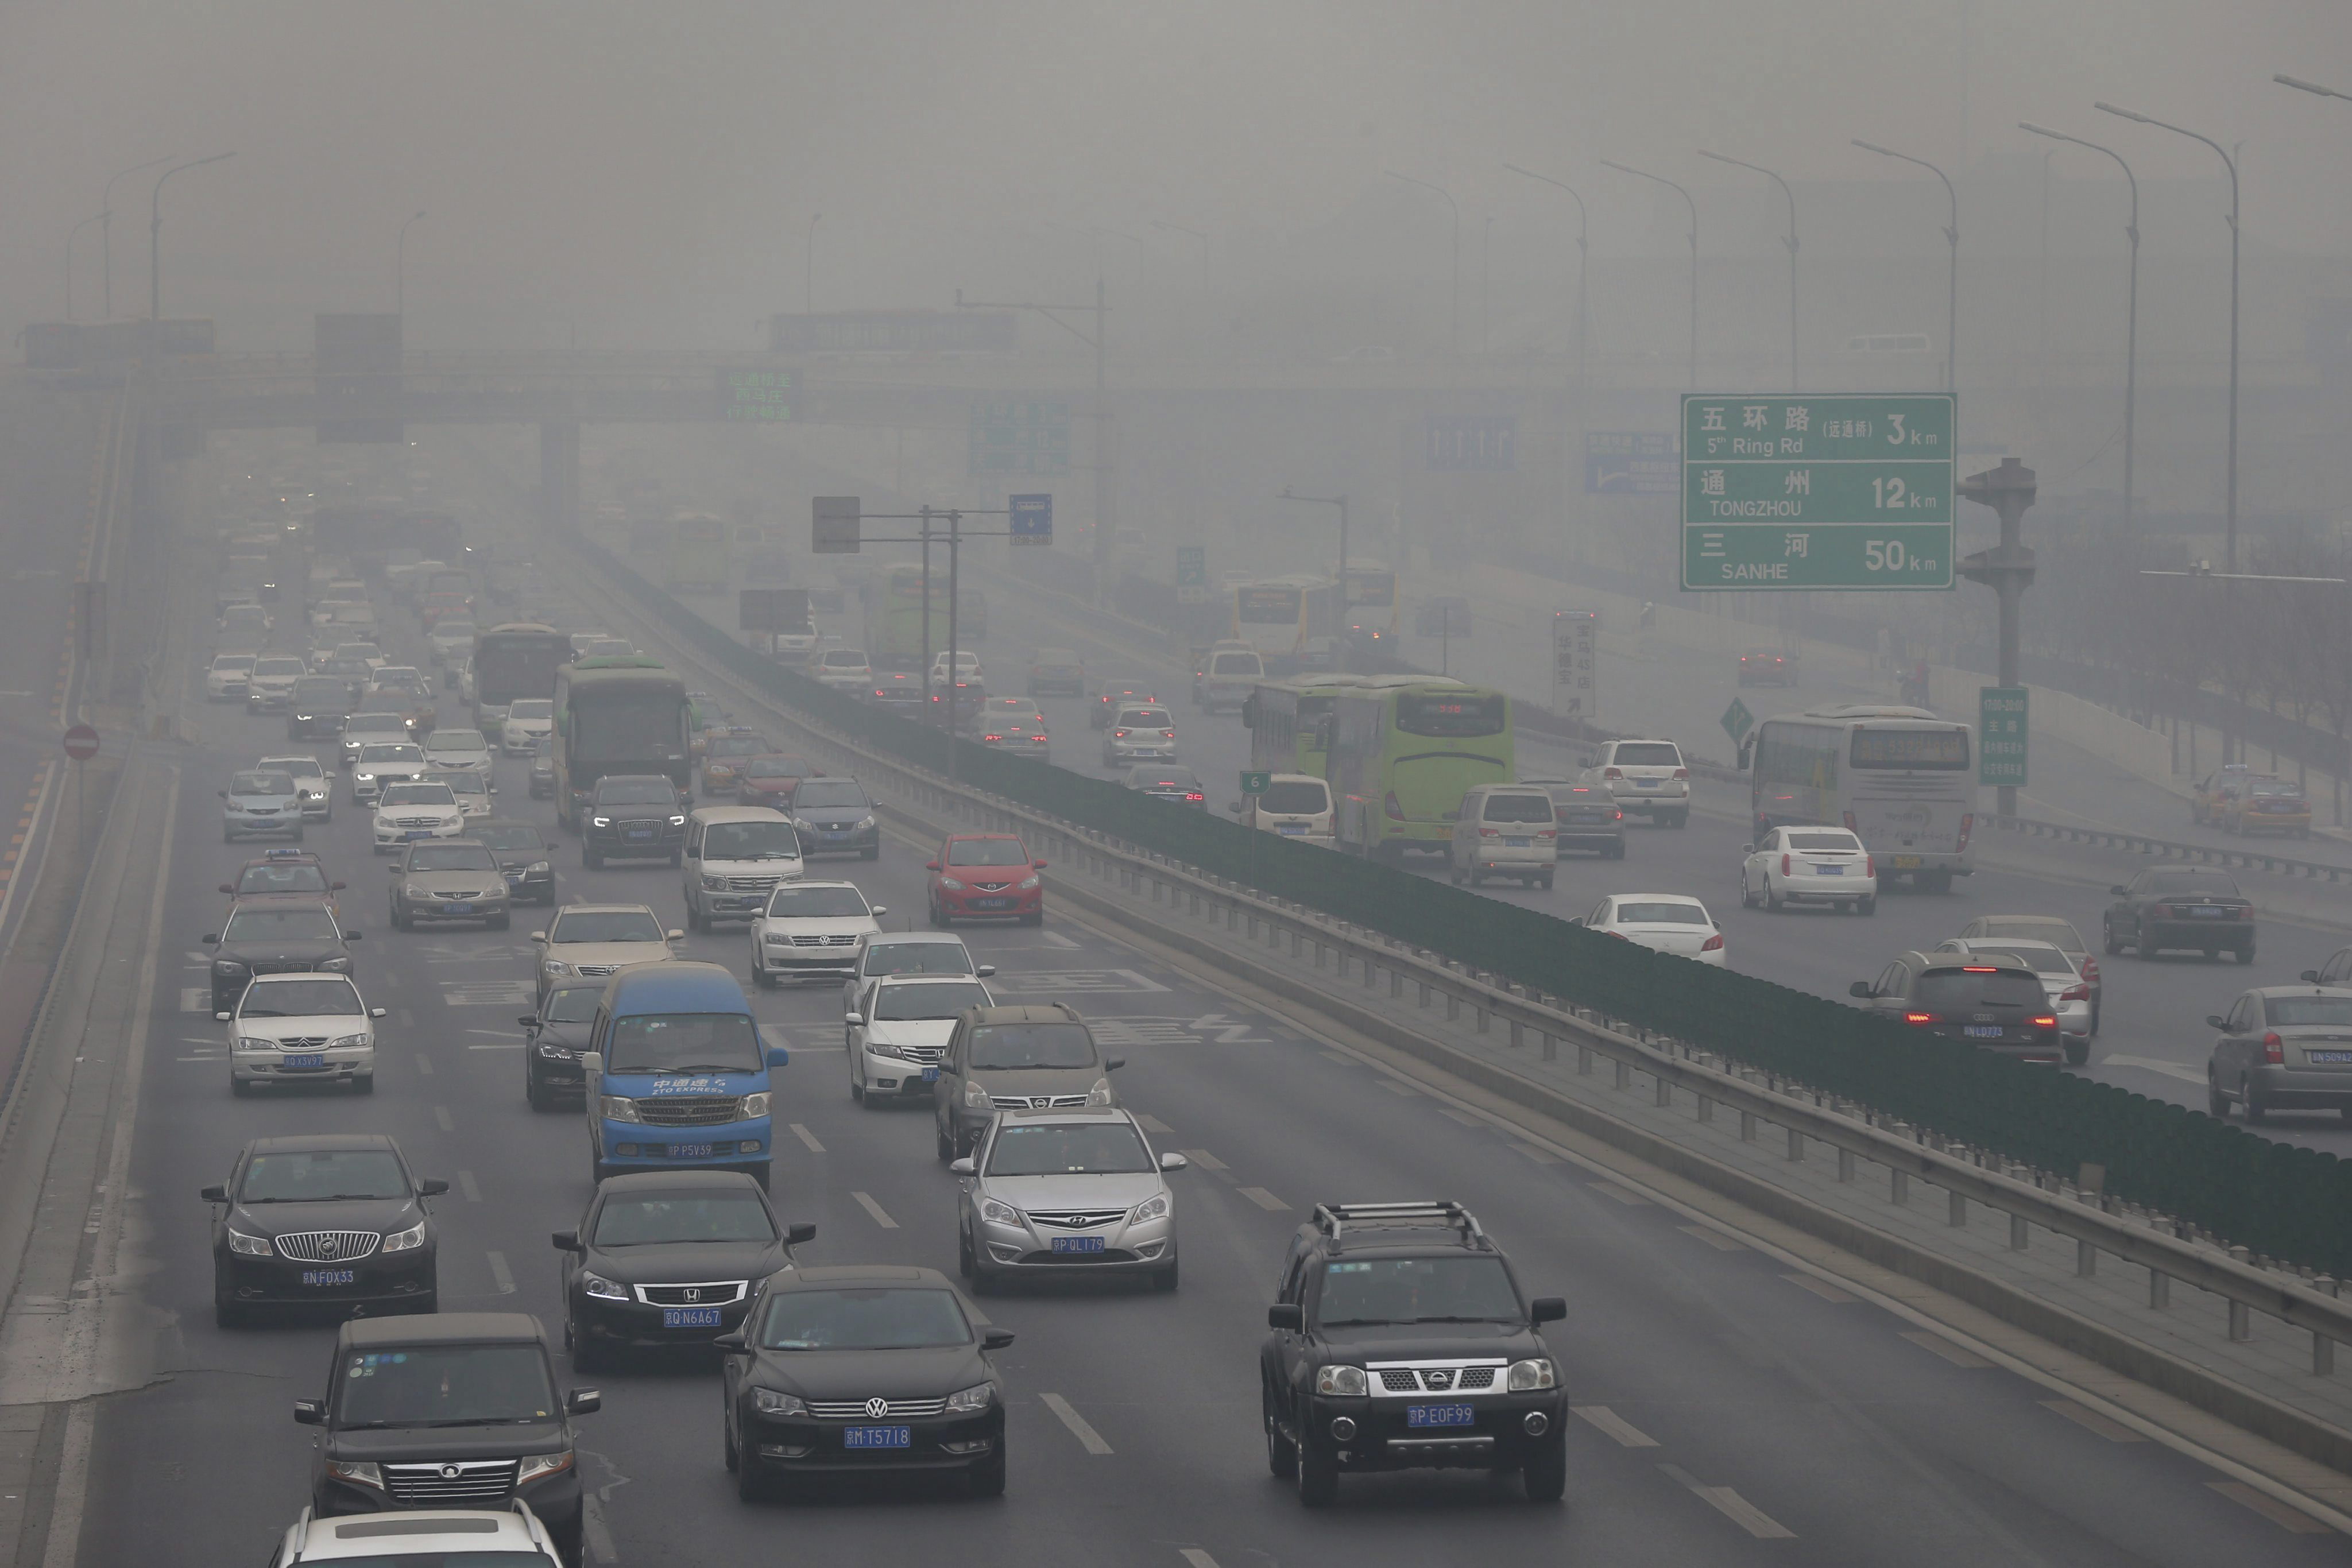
935,999
1629,913
279,926
511,836
234,662
572,1004
2330,1011
750,841
987,851
818,793
390,751
682,1042
2194,883
636,792
445,1386
1963,991
1017,1047
418,795
1416,1290
321,1175
450,857
790,903
261,784
531,707
268,878
300,999
299,766
1298,797
1519,809
1648,754
1096,1148
1824,843
605,926
313,688
456,740
1145,719
280,666
688,1217
883,1319
463,783
917,958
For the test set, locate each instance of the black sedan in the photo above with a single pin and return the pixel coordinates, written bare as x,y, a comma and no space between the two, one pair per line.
542,770
668,1257
553,1039
872,1369
524,857
629,815
275,935
2180,907
335,1220
1164,782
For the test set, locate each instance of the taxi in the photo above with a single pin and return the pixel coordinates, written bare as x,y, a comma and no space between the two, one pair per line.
2265,805
2217,791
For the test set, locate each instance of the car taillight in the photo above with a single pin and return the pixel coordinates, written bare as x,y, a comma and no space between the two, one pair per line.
1850,826
1118,733
1968,825
2091,970
991,737
1713,944
1870,867
1546,833
1613,773
2161,911
2075,994
1490,832
1196,795
1918,1018
1784,867
2045,1021
1682,772
1617,816
1393,807
2273,1050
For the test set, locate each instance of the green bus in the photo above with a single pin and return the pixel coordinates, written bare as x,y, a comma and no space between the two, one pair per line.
617,715
1402,754
1289,721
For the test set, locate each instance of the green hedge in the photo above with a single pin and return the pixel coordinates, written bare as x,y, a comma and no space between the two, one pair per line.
2290,1203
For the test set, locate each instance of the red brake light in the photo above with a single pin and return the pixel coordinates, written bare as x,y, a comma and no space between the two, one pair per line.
2274,1049
1490,832
1682,772
1613,773
2045,1021
2075,994
1618,816
1546,833
1918,1018
1196,795
2161,911
1979,969
1713,944
1118,735
1784,867
1870,866
1968,825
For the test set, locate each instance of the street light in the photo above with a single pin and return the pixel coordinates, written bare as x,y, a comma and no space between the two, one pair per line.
1457,247
1196,233
1685,195
2131,296
106,225
155,239
400,268
808,277
1952,237
1582,258
1791,242
2229,540
94,217
2301,86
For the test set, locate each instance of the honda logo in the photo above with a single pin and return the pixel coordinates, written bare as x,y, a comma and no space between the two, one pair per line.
694,1293
878,1409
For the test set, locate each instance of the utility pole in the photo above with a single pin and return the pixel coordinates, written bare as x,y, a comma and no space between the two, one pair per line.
2007,568
1952,283
105,227
1692,381
1105,447
2131,300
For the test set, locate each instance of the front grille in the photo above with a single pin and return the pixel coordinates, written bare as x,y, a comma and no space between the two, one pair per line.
282,966
690,1111
990,886
928,1055
1079,1219
864,1409
454,1481
751,884
824,941
328,1246
415,821
1439,1377
717,1293
301,1043
1037,1102
595,968
451,895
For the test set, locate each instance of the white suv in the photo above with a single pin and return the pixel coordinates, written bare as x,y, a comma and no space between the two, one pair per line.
843,669
1645,776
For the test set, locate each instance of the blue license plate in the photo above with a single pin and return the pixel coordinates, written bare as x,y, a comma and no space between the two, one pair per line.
931,1075
417,833
991,903
836,833
637,835
878,1436
1829,870
1439,1415
689,1150
2331,1057
1646,783
1518,844
456,909
1288,829
1078,1243
308,1062
689,1317
1983,1032
327,1276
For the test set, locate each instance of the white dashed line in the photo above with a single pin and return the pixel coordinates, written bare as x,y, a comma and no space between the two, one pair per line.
1264,1199
501,1273
466,1185
1626,1434
1153,1124
1629,1198
1734,1506
865,1202
1195,1558
1205,1160
423,1065
441,1115
1088,1439
1056,939
807,1137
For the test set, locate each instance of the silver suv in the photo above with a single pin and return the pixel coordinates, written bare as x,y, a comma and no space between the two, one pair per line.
1645,776
1063,1191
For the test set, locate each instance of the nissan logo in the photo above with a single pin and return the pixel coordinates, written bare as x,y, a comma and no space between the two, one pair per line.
1041,1102
1439,1379
878,1409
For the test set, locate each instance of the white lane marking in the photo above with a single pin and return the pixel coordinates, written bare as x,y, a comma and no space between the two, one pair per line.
466,1185
1631,1199
1540,1156
72,1486
1056,939
1626,1434
1936,1344
1206,1160
1342,1060
1151,1124
593,1531
2090,1420
425,1065
1088,1439
865,1202
1734,1506
1713,1238
2150,1064
197,999
1394,1087
2292,1520
1264,1199
441,1115
494,1033
1092,981
484,994
1195,1558
805,1136
501,1273
1821,1288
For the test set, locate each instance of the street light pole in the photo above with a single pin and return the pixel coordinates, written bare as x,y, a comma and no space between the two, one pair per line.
1952,238
1584,257
2131,296
2311,86
1791,242
94,217
1106,448
1457,207
106,226
1340,502
2230,504
1685,195
400,267
155,238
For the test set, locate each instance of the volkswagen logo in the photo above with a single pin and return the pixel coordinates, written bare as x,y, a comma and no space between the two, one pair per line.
878,1409
1438,1379
328,1246
448,1472
694,1293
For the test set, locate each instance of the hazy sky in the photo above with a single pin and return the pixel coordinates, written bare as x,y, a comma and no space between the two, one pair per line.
655,167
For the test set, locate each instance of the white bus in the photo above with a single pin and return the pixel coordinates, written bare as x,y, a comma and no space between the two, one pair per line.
1277,615
1900,777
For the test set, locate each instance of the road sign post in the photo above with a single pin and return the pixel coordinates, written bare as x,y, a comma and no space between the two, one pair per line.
2001,733
1254,781
1848,492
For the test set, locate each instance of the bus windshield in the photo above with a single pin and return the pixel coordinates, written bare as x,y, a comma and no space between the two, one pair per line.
510,667
1259,606
1450,715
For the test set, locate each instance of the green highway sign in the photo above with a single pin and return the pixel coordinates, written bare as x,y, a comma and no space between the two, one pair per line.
1737,721
1850,491
1254,783
1192,574
763,397
2002,735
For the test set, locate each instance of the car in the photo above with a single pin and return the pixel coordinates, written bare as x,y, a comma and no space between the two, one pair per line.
582,641
1113,695
1057,1193
2269,806
525,857
2180,907
1993,1003
373,727
2068,994
990,876
455,1405
770,778
459,673
528,721
835,816
735,856
2213,794
664,1259
1057,672
300,1029
261,801
449,879
451,635
593,940
1014,725
452,749
1812,865
899,1029
418,809
1140,734
1503,830
244,620
2060,934
632,816
811,928
843,669
318,707
908,953
1040,1057
1168,781
1292,806
1767,668
724,753
556,1037
896,690
1226,674
270,686
1401,1338
356,675
1645,776
542,768
2282,1048
513,1538
472,790
335,1220
1662,921
1585,818
281,872
310,779
968,669
368,654
227,676
609,648
384,762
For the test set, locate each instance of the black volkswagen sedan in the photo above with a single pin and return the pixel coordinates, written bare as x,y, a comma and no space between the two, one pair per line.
867,1368
553,1039
668,1257
333,1220
523,855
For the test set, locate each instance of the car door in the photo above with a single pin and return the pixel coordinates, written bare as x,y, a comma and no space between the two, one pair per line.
2127,909
948,1092
1285,1346
1894,988
2230,1052
869,995
690,857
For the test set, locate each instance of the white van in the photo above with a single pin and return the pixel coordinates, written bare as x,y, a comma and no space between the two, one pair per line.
733,858
1227,675
1294,806
1504,830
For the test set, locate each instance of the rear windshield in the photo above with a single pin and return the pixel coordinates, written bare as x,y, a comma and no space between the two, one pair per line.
2041,960
1648,754
509,836
917,958
777,765
1958,991
2335,1010
1450,715
843,659
2199,883
1295,796
1015,1047
445,1386
1146,718
1824,843
268,877
1932,750
1632,913
1235,664
698,1217
261,784
1519,809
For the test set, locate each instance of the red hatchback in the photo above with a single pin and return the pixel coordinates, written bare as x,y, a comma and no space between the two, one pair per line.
986,876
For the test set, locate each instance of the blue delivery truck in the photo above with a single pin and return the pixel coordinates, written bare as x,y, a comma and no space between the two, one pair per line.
677,1074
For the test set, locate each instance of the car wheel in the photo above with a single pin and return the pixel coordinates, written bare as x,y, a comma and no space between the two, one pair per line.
1036,918
597,1170
937,916
2257,1112
1746,899
227,1313
228,835
2217,1104
587,1355
693,918
1544,882
751,1486
240,1087
1867,905
1680,819
727,1443
1546,1474
1772,901
1318,1477
988,1475
2078,1052
964,1264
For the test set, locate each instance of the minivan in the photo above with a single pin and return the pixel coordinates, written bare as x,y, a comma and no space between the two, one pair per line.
1228,674
677,1074
735,855
1504,830
1293,805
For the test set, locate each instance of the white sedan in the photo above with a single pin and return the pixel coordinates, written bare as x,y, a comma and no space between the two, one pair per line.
416,811
1819,865
451,749
1662,921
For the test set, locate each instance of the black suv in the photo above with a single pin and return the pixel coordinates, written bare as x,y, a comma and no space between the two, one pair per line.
317,706
631,814
2179,906
335,1220
454,1411
1402,1341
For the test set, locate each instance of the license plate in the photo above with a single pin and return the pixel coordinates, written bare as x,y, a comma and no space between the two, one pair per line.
1518,844
1829,870
689,1317
1647,783
931,1075
697,1151
1983,1032
2201,910
836,833
2333,1057
1904,862
456,909
636,835
1078,1243
327,1276
878,1436
417,833
1439,1415
1291,830
304,1063
991,903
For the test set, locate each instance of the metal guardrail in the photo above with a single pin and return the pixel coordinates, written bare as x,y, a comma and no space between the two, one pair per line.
2161,849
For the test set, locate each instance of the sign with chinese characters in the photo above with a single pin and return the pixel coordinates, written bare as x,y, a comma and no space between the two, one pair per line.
1630,463
755,397
1018,435
1471,443
1192,574
1032,520
1850,492
1574,634
2002,735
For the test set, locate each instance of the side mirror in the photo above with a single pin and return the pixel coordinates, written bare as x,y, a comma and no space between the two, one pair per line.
1172,1161
779,1057
852,1020
1747,849
1037,865
540,937
2213,1020
1113,1063
2120,890
210,938
215,1194
311,1412
930,866
582,1401
732,1340
222,793
963,1167
375,1012
225,887
592,1062
1547,1309
432,1188
565,1241
529,1021
2311,977
337,886
995,1339
1285,1316
221,1017
1860,988
985,970
672,935
799,1234
880,910
394,869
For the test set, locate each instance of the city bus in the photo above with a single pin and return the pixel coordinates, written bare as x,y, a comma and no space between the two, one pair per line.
517,659
1277,615
1289,722
698,562
1899,778
1405,752
1371,601
617,714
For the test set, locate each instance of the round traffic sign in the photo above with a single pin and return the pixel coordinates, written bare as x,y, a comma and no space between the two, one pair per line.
81,743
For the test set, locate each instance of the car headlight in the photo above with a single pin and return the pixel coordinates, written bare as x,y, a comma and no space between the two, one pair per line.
227,967
777,939
350,1042
1100,1093
951,885
335,966
535,868
620,1108
1528,1375
755,1106
534,1466
768,1402
406,1240
601,1288
677,822
254,1043
553,1052
301,719
600,821
553,967
974,1096
358,1472
714,884
251,1246
971,1401
997,1213
1026,884
884,1048
803,825
413,891
1152,1208
1341,1380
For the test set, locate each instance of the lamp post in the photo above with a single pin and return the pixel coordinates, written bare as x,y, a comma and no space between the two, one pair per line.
1582,258
1952,238
2312,87
400,267
1456,208
1791,242
1196,233
94,217
1685,195
808,283
105,227
155,237
2230,502
1340,502
2131,297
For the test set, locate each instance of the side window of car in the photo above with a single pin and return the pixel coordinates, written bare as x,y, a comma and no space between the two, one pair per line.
694,841
2337,965
2237,1019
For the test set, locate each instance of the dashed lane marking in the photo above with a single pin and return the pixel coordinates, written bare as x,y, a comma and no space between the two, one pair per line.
1264,1199
808,1138
1625,1195
1821,1288
1195,1558
1936,1344
1624,1432
1088,1439
1151,1124
423,1065
1713,1238
865,1202
502,1275
1205,1160
2090,1420
441,1115
1464,1117
485,994
1394,1087
1734,1506
466,1185
2270,1508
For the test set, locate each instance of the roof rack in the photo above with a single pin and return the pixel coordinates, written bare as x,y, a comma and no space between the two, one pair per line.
1334,1219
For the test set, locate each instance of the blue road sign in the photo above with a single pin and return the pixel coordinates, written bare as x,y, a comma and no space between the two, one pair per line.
1032,520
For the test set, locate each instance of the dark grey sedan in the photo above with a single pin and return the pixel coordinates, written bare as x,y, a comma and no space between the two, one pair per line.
2282,1048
